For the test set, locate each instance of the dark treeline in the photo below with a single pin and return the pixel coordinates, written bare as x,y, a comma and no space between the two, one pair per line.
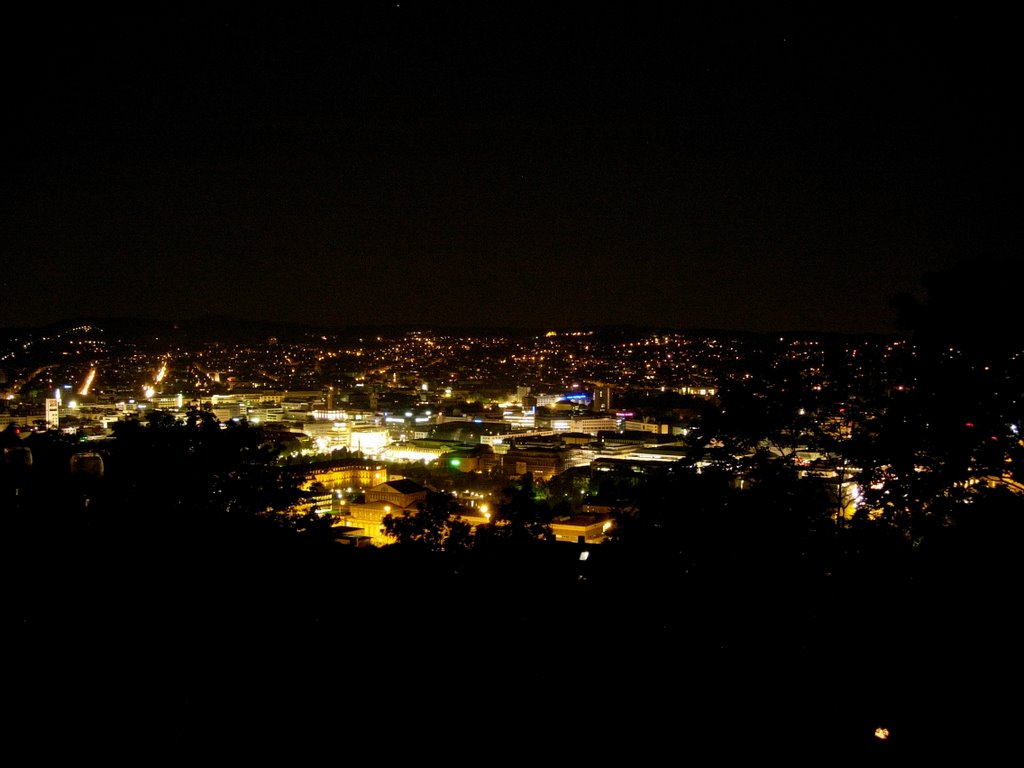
176,582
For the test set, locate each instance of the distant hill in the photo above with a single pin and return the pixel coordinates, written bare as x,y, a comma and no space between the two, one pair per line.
235,330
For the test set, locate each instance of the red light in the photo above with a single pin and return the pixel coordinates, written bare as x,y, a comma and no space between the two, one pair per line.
969,424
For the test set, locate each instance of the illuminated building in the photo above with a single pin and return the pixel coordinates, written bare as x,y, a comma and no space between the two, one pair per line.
344,474
23,417
587,529
593,425
400,493
632,425
421,450
698,391
665,452
520,419
316,503
570,423
391,498
542,463
369,440
229,411
544,401
52,413
327,435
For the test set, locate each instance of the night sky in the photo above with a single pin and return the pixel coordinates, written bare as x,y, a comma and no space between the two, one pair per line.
749,167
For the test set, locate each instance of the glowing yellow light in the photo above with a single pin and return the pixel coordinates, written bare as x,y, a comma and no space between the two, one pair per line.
882,733
88,382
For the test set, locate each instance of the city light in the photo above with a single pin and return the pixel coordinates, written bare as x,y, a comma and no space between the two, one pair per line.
87,384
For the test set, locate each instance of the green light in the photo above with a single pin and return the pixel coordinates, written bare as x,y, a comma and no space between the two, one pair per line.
455,462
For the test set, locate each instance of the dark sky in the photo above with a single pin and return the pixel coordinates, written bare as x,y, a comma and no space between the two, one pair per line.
747,167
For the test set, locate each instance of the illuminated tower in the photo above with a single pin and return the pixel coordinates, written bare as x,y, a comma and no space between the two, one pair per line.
53,412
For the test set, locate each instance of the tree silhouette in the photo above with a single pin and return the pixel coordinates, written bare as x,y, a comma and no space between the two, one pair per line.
436,524
974,305
961,419
522,516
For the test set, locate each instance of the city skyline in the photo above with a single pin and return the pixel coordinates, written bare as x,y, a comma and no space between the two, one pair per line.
403,164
